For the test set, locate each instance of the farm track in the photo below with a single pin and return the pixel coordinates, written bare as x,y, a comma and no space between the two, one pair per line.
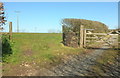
75,65
79,65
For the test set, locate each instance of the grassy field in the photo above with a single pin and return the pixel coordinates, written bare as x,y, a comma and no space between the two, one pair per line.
36,49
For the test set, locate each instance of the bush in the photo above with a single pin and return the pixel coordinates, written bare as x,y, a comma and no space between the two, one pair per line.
71,30
6,46
74,25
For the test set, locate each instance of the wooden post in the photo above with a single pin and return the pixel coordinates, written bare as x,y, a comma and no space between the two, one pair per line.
81,36
63,32
84,43
10,30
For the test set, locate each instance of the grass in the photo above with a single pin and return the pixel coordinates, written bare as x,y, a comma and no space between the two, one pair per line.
108,58
37,49
104,61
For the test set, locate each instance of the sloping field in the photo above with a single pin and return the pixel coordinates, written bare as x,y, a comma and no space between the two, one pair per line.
35,54
36,50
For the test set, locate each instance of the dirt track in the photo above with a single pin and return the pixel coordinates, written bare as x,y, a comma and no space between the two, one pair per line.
78,65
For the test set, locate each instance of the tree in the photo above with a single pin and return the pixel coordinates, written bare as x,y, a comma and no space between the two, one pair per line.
2,17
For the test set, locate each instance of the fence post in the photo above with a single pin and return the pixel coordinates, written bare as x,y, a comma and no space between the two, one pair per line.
63,37
84,43
81,36
10,30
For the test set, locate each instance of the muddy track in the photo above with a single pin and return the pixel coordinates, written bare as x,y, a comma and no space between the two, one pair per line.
78,65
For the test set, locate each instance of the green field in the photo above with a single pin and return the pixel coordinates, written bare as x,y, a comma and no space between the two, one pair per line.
37,49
